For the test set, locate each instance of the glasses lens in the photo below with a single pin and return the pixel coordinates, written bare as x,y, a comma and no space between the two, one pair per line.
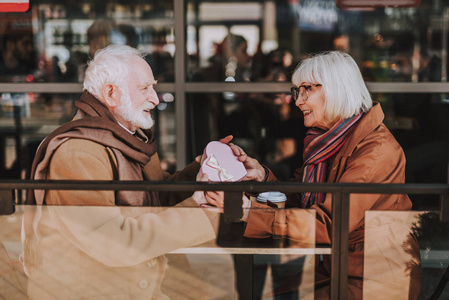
303,92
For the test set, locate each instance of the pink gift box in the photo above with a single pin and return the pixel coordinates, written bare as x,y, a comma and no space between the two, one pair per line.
221,164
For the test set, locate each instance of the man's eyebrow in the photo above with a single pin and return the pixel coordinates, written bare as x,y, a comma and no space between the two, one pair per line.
154,82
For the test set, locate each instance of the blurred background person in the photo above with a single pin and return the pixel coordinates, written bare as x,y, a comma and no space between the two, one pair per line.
17,53
101,34
17,64
230,61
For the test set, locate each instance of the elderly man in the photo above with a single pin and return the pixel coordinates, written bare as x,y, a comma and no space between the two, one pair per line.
110,136
102,251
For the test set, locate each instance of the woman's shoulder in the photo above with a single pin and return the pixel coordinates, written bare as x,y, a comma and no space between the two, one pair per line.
379,145
382,137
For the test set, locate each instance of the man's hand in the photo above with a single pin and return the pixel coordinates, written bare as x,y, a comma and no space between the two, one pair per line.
254,169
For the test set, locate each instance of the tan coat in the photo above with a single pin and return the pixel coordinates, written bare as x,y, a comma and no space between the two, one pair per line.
91,252
370,155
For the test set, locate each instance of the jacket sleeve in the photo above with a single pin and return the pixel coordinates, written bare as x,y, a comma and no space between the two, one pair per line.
187,174
126,236
116,236
297,224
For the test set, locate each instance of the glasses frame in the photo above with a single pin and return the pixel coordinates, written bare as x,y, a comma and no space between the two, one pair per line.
296,91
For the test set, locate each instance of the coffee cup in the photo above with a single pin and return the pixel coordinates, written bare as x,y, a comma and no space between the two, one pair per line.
275,197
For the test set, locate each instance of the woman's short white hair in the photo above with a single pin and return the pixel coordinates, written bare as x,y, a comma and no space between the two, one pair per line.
110,65
345,92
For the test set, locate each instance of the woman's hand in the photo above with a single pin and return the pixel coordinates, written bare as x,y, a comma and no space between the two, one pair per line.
215,198
254,169
208,198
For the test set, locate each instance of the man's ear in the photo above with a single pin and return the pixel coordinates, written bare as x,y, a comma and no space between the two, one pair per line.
111,95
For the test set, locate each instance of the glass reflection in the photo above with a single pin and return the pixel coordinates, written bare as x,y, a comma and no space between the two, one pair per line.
55,245
62,252
87,252
392,44
18,55
25,120
53,41
392,262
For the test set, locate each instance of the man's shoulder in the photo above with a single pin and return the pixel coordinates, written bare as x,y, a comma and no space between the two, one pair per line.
82,152
78,148
79,144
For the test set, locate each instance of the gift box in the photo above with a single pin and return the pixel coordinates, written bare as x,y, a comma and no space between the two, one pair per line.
221,164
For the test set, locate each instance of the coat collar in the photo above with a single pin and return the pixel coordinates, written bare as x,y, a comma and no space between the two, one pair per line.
370,121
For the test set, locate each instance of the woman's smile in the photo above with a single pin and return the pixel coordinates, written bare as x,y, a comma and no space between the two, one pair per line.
307,112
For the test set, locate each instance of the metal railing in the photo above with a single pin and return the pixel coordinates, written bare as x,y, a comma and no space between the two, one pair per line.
233,208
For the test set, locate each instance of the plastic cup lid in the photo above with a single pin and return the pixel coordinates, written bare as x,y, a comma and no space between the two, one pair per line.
272,196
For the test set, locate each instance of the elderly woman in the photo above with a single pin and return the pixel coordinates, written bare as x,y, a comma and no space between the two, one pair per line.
346,142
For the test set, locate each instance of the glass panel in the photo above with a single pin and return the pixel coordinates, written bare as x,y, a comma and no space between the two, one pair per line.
404,251
270,127
431,234
54,40
267,126
80,252
390,44
165,131
419,123
27,118
44,250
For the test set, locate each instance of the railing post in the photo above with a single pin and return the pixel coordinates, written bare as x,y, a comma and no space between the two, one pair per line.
7,202
344,246
335,243
233,210
243,263
444,206
340,230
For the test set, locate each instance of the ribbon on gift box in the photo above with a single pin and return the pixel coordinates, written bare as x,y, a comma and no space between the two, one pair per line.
224,175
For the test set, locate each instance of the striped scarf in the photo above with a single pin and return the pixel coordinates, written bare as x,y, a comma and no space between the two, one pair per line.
319,146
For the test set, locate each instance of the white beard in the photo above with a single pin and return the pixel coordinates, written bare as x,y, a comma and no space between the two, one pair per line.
135,116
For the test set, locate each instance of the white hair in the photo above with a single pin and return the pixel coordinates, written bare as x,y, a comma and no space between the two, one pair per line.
110,65
345,92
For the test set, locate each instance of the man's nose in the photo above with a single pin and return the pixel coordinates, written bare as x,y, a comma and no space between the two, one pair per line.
153,98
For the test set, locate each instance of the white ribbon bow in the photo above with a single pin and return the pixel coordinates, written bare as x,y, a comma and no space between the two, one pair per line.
224,175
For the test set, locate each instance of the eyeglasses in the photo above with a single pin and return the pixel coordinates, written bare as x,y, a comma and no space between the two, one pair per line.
302,90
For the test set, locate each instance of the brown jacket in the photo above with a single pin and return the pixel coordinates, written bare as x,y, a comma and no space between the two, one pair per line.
370,155
81,159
